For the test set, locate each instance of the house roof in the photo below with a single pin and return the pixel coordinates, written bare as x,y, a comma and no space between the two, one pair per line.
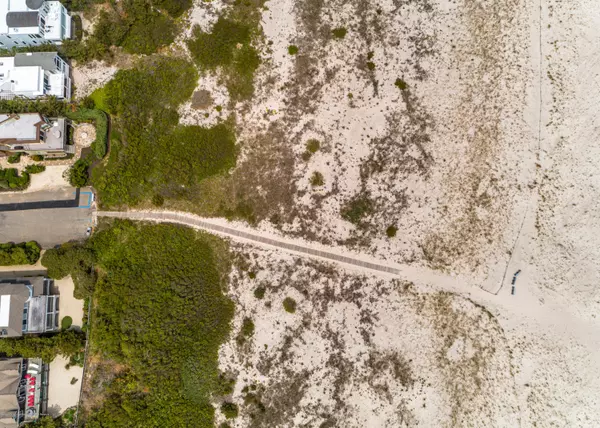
20,127
39,59
14,294
22,19
10,377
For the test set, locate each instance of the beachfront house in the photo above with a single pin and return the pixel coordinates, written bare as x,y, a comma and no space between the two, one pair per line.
34,75
23,391
32,23
33,134
27,307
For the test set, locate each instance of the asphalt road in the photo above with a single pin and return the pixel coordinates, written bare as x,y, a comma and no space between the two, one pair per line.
49,217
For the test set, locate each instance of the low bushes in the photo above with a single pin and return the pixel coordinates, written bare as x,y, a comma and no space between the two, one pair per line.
10,179
25,253
15,158
357,208
228,46
138,26
155,158
35,169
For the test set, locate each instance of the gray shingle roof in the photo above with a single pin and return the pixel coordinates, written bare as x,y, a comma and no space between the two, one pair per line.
41,59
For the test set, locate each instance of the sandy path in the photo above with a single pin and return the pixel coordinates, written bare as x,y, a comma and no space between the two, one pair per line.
61,393
294,246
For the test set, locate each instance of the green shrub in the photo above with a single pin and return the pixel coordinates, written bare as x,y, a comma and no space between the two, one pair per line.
259,292
78,173
10,179
74,260
357,208
317,179
66,323
15,158
76,359
401,84
37,158
313,145
289,305
371,65
247,327
391,231
339,33
25,253
229,410
292,49
35,169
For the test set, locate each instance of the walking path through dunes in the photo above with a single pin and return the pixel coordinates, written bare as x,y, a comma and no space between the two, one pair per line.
262,239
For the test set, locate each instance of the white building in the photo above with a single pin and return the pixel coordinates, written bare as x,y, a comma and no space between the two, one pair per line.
33,22
33,75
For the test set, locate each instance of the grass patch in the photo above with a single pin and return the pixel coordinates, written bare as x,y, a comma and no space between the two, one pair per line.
391,231
339,33
357,208
292,49
401,84
228,48
259,292
25,253
247,327
99,99
317,179
229,410
160,313
289,305
313,145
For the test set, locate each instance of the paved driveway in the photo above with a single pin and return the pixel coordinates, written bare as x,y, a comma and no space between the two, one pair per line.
49,217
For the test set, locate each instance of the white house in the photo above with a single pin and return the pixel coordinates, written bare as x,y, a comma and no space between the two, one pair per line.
33,22
33,75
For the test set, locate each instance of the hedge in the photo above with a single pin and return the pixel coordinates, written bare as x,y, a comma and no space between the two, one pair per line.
25,253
